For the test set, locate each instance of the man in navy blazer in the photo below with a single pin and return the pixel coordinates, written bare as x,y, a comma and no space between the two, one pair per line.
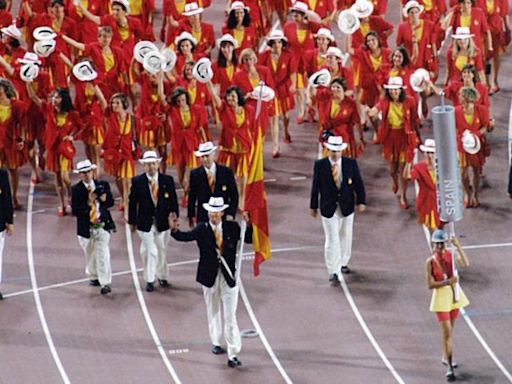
90,203
152,199
6,214
217,241
210,179
338,185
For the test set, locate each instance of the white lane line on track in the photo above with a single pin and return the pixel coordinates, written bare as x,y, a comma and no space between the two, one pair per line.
298,178
144,308
494,245
247,256
35,289
367,331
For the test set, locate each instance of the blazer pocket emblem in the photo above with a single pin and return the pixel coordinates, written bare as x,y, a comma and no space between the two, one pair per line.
224,188
349,181
166,195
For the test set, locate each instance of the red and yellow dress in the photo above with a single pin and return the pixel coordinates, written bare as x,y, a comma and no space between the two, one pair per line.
119,146
369,71
376,24
496,11
322,8
454,65
205,38
141,10
472,122
12,120
245,37
236,138
124,37
424,34
91,114
85,30
313,61
452,93
476,22
397,130
223,76
35,118
187,129
426,201
432,11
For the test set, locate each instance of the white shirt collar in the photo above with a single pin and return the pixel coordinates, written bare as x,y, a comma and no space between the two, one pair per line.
337,162
212,169
218,226
91,184
152,178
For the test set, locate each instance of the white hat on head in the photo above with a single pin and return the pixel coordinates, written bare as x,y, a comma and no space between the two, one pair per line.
227,38
205,149
411,4
153,62
299,6
334,51
395,83
239,5
169,59
192,9
335,143
215,204
324,32
429,146
142,48
84,166
29,72
44,48
320,78
184,36
267,93
124,3
471,142
202,70
276,34
150,157
419,80
11,31
362,8
462,33
348,21
84,71
30,58
44,33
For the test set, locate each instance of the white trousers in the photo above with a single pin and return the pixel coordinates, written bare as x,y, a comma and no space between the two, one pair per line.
338,241
97,256
221,292
153,251
2,243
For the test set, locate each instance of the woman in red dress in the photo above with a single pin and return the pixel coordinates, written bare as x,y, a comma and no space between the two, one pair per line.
201,31
13,149
284,72
469,116
314,58
398,133
238,25
185,50
62,124
469,78
226,65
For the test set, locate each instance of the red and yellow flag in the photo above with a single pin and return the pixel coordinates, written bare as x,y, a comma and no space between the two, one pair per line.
255,202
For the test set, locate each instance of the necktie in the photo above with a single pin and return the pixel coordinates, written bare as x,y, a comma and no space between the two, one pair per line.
211,181
93,212
154,189
218,238
335,173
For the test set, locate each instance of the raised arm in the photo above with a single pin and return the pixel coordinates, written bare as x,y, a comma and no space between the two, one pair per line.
66,60
8,68
462,259
32,94
95,19
101,97
78,45
217,102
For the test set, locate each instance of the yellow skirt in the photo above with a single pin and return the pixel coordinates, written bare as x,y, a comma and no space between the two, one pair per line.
442,300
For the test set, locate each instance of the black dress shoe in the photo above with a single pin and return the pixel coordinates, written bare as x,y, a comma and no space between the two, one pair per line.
150,287
163,283
234,362
218,350
334,280
94,283
105,289
1,296
345,269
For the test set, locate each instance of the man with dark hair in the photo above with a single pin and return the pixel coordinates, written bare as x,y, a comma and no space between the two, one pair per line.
6,214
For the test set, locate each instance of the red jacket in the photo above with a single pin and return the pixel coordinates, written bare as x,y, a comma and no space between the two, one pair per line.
297,48
377,24
426,201
425,50
286,66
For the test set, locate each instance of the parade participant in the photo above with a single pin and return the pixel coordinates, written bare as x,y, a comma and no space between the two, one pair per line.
314,58
472,123
90,203
197,92
338,185
185,50
397,133
283,69
463,51
238,25
217,241
442,280
13,146
299,32
152,201
338,116
368,22
10,46
84,29
226,65
172,12
144,10
6,215
324,9
425,175
62,124
469,78
201,31
207,180
237,135
433,11
5,16
334,63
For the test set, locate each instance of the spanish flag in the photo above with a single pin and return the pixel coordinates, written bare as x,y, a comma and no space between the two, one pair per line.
256,205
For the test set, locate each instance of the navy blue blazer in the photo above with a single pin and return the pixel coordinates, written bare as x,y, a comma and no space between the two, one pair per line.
6,208
209,263
199,191
349,193
143,212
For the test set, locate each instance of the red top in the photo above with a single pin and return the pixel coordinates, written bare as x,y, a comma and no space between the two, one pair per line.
455,73
426,201
134,31
377,24
187,139
343,123
244,133
480,119
443,265
207,40
250,39
297,48
425,50
478,27
221,77
453,88
286,66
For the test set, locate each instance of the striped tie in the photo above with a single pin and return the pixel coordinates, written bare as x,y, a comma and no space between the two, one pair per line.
93,212
335,173
154,190
218,238
211,181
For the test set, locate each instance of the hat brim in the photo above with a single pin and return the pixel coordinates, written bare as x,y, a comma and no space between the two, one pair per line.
204,153
221,40
209,208
461,37
473,150
367,12
395,86
84,77
23,61
154,160
320,79
203,67
91,168
142,46
425,149
405,12
336,147
44,33
194,12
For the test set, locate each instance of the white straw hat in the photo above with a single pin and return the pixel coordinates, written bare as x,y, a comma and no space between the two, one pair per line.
84,71
324,32
471,142
239,5
227,38
411,4
12,31
202,70
185,36
215,204
44,33
362,8
142,48
84,166
419,80
44,48
192,9
169,59
335,143
320,78
153,62
205,149
29,72
462,33
124,3
276,34
30,58
150,157
299,6
429,146
348,22
395,83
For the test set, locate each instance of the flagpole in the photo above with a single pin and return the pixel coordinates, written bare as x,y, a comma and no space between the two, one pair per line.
243,227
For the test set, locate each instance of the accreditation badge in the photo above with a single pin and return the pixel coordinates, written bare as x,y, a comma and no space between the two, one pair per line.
224,188
349,181
166,195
